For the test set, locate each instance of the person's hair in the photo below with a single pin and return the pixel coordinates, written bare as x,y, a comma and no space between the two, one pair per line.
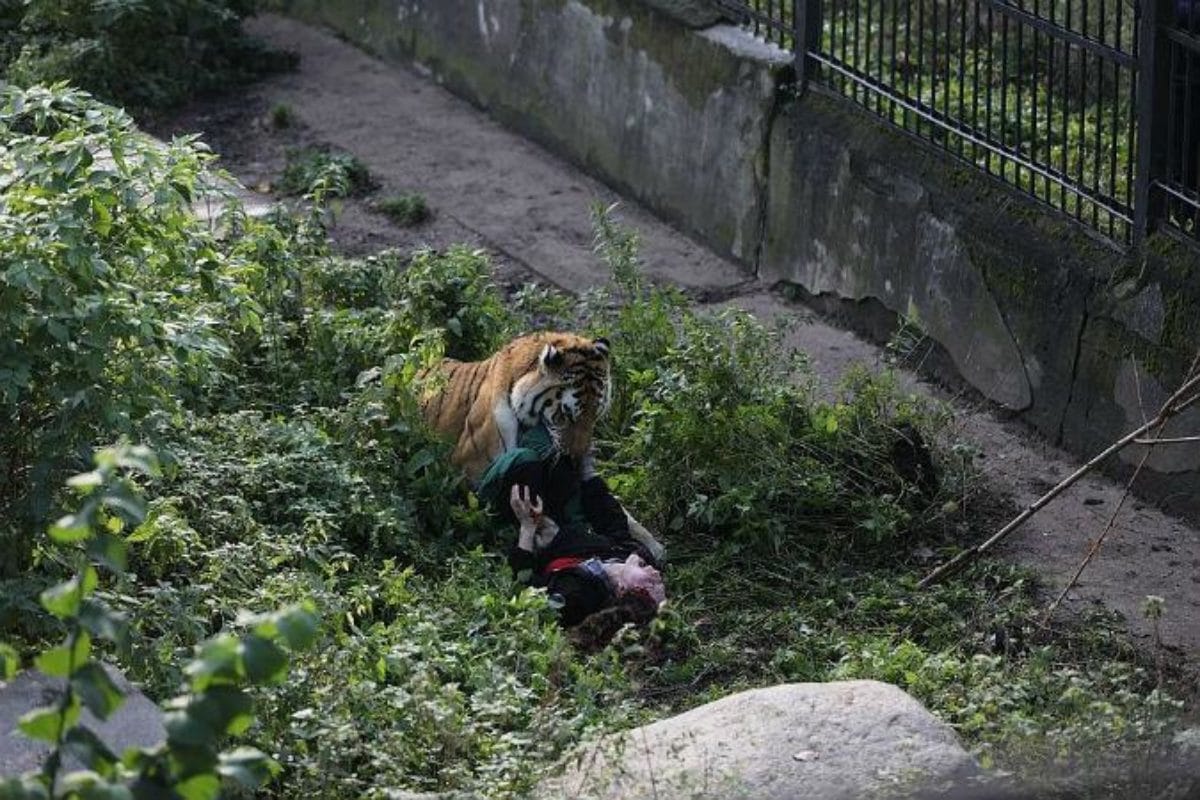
597,629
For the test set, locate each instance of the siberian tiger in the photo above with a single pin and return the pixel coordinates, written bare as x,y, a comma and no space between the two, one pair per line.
560,379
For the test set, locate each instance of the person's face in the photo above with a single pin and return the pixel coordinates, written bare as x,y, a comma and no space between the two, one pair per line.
634,573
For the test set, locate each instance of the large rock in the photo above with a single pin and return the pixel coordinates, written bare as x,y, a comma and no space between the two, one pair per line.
817,741
137,723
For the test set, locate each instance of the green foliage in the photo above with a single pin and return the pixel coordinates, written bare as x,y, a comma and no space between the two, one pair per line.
440,684
715,432
140,53
282,116
404,209
189,764
110,290
297,469
322,169
453,291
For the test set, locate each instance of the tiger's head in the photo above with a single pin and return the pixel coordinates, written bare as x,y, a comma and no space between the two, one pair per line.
568,387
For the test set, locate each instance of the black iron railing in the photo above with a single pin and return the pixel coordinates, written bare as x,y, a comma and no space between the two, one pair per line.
1174,194
1049,96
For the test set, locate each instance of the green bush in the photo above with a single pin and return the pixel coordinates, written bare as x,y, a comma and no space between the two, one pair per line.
404,209
715,431
453,291
335,173
139,53
444,684
189,763
111,292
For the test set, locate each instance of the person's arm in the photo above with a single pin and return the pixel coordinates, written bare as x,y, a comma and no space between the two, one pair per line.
527,508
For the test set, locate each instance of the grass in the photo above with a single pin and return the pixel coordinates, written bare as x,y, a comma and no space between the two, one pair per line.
404,209
282,116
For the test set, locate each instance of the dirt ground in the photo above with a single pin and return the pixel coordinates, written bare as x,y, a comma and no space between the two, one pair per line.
491,188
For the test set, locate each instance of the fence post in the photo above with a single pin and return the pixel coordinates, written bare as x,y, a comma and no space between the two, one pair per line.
806,36
1153,99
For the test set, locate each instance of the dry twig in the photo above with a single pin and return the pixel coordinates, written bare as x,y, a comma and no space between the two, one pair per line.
1177,402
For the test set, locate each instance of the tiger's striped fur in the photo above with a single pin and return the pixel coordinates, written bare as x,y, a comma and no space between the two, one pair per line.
561,379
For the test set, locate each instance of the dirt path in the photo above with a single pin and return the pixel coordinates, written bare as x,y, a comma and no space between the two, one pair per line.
492,188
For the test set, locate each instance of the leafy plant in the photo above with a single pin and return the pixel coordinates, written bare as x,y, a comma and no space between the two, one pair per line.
332,173
282,116
404,209
453,291
188,764
110,291
140,53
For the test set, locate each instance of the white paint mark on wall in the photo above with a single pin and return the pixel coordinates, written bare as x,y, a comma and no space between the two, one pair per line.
483,27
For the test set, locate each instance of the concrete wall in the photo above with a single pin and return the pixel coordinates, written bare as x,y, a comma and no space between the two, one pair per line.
703,125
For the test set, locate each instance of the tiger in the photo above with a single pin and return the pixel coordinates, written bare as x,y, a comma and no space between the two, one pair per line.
562,380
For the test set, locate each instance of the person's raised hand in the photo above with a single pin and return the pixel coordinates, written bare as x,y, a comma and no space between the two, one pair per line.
526,505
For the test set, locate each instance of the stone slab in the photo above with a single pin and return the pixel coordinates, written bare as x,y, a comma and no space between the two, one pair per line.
821,741
137,723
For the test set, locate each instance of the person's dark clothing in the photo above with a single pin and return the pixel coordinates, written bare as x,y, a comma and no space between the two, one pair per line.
592,524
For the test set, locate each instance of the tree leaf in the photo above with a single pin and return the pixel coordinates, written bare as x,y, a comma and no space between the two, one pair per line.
249,767
10,662
44,724
217,662
109,550
205,786
101,621
64,599
298,626
262,660
90,750
27,788
97,690
61,661
225,709
71,528
185,729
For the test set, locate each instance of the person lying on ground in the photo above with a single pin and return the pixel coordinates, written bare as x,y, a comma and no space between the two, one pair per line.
602,574
574,536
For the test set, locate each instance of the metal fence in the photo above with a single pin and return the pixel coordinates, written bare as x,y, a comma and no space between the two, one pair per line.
1049,96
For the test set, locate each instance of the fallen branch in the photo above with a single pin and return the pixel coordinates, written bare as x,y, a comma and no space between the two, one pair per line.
1095,548
1169,440
1176,403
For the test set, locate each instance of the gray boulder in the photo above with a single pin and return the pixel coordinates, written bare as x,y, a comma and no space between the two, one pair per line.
819,741
137,723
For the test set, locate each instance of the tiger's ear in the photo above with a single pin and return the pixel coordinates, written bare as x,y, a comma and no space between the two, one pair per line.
552,357
601,345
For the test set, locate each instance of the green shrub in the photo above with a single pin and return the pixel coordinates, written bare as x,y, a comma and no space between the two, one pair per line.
335,173
189,763
445,684
715,433
453,291
138,53
404,209
282,116
111,292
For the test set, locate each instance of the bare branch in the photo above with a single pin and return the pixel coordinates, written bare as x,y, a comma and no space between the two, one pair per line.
1177,402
